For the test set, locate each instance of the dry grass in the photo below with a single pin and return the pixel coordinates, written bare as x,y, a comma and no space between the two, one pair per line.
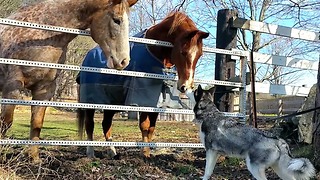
71,162
58,125
10,164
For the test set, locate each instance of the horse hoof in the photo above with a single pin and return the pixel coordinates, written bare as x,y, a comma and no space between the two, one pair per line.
35,158
34,154
111,151
90,152
146,152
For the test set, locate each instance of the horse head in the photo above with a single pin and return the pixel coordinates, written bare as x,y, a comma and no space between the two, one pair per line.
185,54
110,29
178,29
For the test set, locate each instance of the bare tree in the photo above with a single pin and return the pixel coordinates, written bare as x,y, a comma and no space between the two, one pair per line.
301,14
304,15
77,49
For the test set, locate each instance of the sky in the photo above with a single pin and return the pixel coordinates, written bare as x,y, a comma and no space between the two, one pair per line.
204,17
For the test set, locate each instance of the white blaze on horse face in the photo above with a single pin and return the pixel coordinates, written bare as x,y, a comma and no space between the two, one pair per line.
120,52
111,32
193,54
125,34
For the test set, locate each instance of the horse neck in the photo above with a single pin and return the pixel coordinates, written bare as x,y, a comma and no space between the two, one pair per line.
68,13
158,32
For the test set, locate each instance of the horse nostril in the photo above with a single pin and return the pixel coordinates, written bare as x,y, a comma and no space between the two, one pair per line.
183,88
124,62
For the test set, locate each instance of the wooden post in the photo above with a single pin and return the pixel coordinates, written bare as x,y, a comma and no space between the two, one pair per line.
316,124
224,65
253,112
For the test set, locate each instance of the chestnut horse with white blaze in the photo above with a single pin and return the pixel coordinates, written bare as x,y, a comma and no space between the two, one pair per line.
178,29
109,26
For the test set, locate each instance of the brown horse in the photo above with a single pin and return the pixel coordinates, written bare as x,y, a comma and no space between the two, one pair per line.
178,29
109,25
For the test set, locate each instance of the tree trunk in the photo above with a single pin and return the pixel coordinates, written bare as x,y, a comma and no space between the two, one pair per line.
316,125
224,65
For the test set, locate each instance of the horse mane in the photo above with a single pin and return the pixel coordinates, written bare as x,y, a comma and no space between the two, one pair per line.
178,19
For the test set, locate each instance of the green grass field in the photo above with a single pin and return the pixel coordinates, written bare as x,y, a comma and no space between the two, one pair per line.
60,125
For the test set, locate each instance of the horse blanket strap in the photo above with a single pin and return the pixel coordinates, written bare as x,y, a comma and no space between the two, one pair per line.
124,90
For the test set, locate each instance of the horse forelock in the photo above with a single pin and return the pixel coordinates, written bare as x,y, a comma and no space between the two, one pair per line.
121,8
179,18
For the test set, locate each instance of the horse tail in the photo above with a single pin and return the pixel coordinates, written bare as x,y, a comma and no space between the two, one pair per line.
80,116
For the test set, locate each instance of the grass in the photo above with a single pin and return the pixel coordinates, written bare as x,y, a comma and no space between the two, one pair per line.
304,151
9,164
60,125
57,125
185,169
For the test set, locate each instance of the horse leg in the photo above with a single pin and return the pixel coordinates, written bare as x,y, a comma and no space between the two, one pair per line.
6,118
11,90
89,125
43,91
147,124
106,126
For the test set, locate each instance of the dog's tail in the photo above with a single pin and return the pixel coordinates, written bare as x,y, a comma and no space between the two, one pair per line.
300,168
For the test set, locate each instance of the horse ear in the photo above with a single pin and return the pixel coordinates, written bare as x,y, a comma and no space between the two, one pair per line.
132,2
203,35
191,34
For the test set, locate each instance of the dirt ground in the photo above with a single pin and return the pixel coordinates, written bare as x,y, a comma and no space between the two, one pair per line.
165,163
70,163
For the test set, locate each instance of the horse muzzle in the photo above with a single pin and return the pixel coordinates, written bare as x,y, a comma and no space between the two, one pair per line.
188,91
183,88
115,64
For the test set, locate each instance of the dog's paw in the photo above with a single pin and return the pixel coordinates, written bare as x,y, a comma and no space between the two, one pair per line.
205,177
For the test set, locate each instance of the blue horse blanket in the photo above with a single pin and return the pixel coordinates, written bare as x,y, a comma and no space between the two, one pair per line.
124,90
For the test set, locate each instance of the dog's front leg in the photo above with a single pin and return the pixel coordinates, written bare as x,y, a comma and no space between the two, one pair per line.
211,159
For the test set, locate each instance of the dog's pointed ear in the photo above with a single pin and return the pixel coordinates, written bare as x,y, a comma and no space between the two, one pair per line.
198,93
212,90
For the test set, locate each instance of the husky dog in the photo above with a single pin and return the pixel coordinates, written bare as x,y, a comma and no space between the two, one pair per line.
260,149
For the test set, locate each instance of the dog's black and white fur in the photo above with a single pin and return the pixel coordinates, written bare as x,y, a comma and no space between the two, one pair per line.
224,135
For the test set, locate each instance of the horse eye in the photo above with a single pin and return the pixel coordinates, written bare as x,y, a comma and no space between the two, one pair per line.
117,21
